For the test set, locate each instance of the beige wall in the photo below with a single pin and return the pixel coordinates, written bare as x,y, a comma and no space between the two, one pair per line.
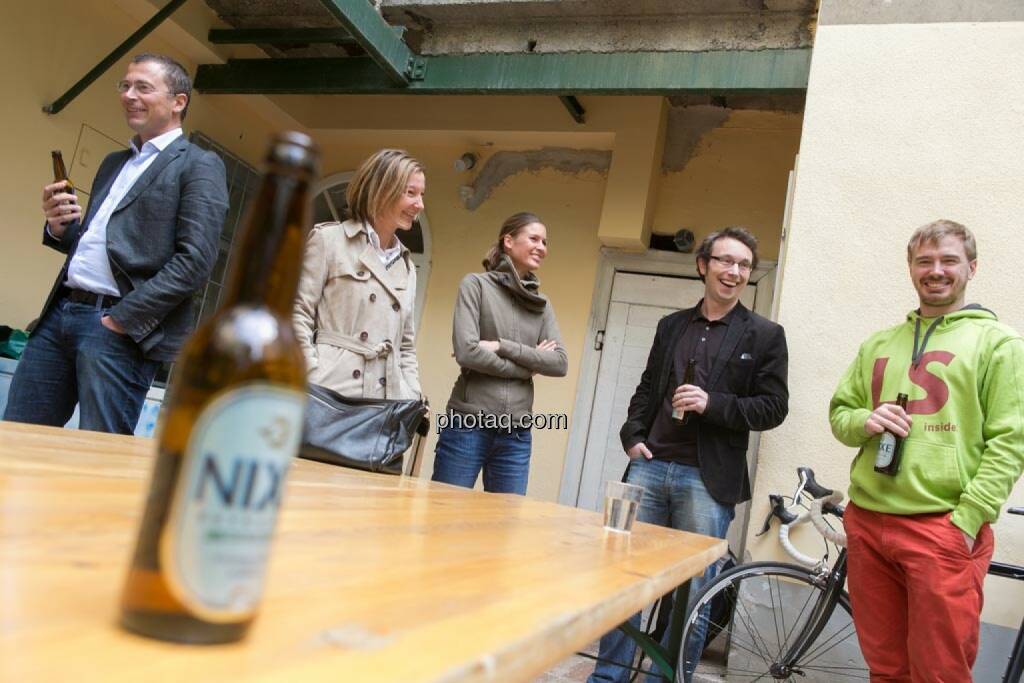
46,46
736,176
904,124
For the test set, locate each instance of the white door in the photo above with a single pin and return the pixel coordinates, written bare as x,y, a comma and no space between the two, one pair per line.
637,303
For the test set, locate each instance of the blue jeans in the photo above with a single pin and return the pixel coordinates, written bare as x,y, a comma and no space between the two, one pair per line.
674,496
72,358
503,455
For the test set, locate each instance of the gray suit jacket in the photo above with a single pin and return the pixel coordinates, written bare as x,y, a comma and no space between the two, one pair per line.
161,241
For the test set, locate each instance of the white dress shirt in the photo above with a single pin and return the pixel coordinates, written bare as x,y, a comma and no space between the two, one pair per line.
387,256
90,266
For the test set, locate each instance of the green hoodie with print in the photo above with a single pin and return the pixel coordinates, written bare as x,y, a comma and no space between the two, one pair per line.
965,450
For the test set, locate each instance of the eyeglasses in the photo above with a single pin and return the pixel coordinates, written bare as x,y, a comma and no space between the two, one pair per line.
141,87
727,263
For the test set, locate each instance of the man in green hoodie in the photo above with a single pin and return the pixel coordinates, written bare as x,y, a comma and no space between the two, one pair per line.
920,540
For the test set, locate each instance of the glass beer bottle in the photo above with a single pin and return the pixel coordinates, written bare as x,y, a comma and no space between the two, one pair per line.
231,427
60,172
680,416
890,446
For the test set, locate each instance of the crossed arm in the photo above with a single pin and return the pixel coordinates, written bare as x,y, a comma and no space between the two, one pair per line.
502,358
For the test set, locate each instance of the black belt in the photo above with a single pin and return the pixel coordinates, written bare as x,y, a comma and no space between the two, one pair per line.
80,296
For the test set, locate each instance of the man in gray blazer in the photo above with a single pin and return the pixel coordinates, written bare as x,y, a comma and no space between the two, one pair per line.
122,303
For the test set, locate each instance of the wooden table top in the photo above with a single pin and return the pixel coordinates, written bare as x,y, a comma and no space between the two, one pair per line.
372,578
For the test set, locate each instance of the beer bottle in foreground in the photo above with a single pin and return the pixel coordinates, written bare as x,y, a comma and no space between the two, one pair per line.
890,446
680,416
232,425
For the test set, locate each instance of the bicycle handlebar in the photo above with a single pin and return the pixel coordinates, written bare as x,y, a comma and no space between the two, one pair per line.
808,483
837,536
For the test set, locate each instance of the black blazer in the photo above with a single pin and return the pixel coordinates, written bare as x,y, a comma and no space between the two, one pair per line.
161,241
746,389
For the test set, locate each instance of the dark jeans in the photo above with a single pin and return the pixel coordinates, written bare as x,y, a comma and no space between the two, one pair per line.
504,457
72,358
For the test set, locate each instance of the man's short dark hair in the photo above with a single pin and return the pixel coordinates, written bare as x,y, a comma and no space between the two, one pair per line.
737,233
175,76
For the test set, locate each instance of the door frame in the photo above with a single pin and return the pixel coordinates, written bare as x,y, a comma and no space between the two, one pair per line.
649,262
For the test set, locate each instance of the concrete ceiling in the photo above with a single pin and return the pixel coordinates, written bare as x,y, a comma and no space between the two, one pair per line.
509,26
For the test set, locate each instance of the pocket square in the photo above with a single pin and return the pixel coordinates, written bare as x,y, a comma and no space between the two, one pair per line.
746,356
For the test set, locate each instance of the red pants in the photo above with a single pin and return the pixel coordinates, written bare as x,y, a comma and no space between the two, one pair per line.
916,593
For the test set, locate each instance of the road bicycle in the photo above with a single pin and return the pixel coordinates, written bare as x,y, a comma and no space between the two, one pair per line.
791,622
779,620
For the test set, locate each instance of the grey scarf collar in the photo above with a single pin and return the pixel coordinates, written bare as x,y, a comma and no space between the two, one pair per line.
526,290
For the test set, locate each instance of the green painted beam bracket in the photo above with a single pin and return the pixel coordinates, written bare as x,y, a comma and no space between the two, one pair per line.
416,69
388,50
575,109
120,51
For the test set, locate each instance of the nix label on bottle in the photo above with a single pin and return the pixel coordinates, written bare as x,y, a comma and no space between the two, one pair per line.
217,538
886,449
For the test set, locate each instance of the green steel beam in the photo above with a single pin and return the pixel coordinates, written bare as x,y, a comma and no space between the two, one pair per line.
622,73
285,36
112,58
388,51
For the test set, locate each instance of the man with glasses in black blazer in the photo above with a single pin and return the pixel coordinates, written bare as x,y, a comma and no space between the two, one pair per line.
694,470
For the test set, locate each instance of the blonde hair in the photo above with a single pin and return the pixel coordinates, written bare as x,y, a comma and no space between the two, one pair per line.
512,226
379,182
933,232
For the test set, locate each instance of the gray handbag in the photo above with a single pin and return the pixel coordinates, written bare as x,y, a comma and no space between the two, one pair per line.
363,433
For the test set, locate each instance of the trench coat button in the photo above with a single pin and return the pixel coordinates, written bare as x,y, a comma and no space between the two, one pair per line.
363,336
373,296
360,273
357,374
382,381
395,307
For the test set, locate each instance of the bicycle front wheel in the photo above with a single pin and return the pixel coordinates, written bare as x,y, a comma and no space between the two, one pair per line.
754,613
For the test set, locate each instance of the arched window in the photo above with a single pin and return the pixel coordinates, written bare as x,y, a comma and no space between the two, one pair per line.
329,205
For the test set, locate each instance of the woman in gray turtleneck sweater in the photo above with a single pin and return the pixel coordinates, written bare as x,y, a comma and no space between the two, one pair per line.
504,334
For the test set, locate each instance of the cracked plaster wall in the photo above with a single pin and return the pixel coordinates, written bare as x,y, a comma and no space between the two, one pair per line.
720,167
503,165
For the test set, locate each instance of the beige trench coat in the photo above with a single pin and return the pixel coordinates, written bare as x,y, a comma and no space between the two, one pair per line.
354,318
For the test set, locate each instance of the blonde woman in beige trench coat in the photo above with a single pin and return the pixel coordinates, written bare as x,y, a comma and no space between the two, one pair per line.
354,309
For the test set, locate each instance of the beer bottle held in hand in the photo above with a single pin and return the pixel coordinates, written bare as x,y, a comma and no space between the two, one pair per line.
232,426
890,446
60,172
680,416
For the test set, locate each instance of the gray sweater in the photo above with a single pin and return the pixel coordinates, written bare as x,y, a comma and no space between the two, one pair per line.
498,306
